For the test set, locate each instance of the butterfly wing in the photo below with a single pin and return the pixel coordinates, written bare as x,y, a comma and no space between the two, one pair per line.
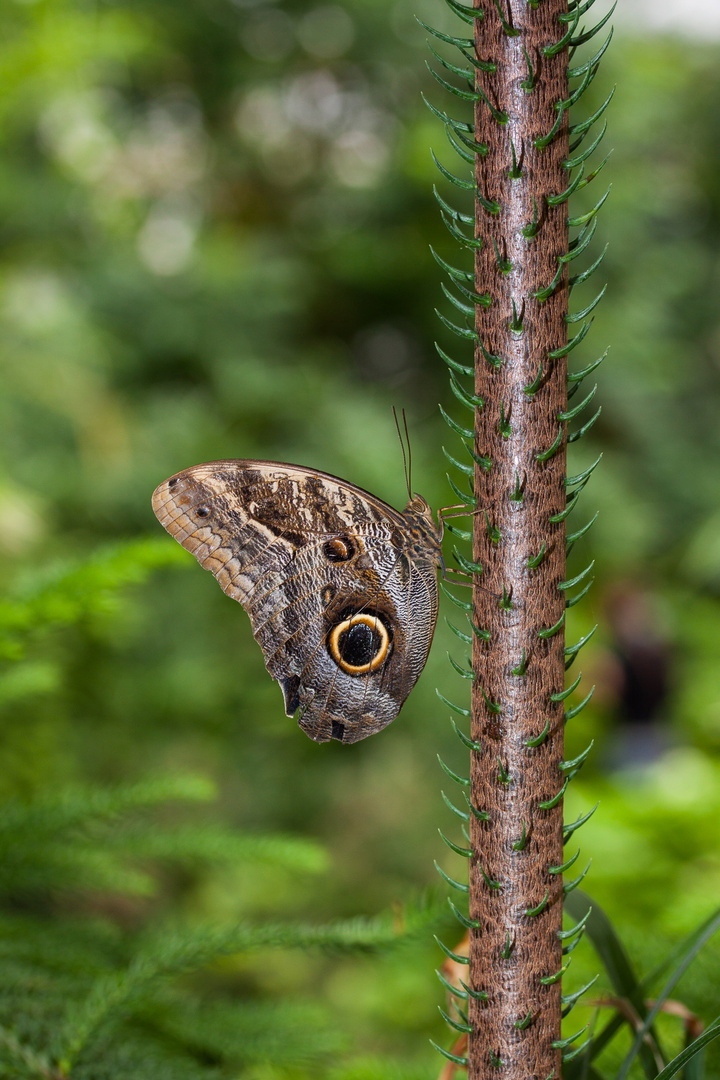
342,605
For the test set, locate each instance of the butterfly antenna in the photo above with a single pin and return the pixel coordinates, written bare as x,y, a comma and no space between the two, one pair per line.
409,450
402,447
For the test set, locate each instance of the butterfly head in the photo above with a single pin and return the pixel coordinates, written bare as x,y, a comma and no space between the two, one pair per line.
418,505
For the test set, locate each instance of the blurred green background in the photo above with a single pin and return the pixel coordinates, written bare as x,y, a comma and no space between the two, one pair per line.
215,221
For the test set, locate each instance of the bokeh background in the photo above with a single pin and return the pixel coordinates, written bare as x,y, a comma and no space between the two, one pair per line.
215,219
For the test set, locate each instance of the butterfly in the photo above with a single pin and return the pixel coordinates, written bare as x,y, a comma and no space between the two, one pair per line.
340,587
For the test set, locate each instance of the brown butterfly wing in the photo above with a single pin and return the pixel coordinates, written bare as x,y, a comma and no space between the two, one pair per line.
341,596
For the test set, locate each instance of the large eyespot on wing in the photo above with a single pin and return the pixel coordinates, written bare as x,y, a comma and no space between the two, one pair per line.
376,642
360,643
322,610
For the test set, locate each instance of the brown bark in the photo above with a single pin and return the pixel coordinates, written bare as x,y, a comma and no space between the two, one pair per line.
517,668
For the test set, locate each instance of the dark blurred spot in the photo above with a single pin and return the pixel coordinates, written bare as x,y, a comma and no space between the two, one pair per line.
643,652
168,369
385,351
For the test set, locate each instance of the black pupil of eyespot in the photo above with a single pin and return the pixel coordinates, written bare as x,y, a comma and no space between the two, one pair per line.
339,550
359,645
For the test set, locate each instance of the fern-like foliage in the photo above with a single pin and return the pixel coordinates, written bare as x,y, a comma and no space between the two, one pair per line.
56,596
107,993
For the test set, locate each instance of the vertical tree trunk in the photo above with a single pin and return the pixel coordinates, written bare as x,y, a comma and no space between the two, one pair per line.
516,887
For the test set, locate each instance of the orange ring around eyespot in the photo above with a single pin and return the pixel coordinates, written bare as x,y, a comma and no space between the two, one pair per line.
380,656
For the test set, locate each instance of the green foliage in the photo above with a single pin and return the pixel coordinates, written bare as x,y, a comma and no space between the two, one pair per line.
72,840
55,596
631,1004
89,997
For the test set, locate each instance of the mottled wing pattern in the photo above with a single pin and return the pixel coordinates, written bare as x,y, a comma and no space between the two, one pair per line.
306,553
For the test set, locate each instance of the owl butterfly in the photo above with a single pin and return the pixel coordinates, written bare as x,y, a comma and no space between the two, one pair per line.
341,589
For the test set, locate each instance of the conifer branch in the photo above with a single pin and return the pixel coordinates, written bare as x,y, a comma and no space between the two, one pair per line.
522,97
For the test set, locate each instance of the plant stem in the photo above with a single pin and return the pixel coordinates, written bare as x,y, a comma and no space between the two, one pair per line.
518,903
